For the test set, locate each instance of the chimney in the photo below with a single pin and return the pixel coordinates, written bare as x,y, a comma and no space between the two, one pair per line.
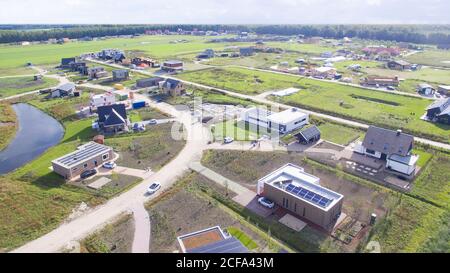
399,132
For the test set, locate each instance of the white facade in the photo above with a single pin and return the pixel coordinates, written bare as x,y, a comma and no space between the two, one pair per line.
283,122
102,100
402,164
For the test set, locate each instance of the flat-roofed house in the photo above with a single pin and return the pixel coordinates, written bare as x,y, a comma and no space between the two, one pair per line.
323,72
120,74
148,82
96,72
380,81
66,62
172,66
86,157
393,146
98,100
246,51
283,122
301,193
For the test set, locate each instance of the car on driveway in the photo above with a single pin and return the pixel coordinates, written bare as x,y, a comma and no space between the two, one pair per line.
228,140
152,122
88,173
266,202
153,188
109,165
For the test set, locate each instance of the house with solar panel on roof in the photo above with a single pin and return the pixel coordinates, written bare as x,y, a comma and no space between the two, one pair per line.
395,147
86,157
308,135
291,188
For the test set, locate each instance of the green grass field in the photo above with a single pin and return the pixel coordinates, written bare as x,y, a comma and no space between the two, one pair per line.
18,85
431,57
377,108
237,130
425,74
154,46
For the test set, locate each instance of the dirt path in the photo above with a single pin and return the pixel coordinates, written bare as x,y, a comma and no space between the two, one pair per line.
142,228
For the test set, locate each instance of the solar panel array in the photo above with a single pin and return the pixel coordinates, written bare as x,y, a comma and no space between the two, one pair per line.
310,132
230,245
309,195
88,150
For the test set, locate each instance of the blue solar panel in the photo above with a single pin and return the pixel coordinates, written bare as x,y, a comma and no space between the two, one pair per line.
308,195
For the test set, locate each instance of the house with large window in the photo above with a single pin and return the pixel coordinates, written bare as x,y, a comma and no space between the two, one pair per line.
283,122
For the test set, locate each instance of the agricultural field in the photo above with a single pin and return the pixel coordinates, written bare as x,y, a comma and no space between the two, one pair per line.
439,58
8,124
17,85
153,46
377,108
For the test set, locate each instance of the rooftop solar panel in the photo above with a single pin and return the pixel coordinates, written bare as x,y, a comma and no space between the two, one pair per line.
308,195
230,245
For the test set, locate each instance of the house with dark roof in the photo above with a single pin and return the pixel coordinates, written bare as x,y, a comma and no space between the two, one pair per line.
148,82
425,89
399,65
172,87
65,62
172,66
67,89
308,135
246,51
439,111
120,74
112,118
393,146
208,53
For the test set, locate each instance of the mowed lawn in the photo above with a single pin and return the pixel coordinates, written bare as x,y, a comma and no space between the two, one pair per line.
154,46
431,57
17,85
373,107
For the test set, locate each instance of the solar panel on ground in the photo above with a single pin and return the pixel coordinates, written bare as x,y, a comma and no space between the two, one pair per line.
230,245
308,195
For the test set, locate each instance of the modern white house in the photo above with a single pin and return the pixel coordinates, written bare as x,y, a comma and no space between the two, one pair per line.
301,193
102,100
283,122
393,146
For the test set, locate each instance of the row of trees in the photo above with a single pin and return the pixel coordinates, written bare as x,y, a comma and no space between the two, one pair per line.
421,34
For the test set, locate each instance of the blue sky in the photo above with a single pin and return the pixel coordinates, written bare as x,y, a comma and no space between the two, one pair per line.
226,11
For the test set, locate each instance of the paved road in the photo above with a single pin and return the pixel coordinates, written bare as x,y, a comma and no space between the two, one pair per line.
142,229
197,137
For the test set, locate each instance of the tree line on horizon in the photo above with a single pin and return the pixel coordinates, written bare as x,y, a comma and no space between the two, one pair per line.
419,34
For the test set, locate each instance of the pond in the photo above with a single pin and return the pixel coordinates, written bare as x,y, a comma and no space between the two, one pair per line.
36,133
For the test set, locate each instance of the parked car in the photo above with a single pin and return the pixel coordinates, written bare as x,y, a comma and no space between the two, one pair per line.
88,173
153,188
266,202
152,122
390,88
228,140
109,165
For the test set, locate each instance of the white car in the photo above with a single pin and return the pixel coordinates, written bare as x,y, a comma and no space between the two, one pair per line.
266,202
153,188
109,165
228,140
152,122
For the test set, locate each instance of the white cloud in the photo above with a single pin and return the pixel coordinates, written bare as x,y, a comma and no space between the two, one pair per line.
224,11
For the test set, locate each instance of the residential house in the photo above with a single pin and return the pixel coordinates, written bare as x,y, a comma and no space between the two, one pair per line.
283,122
148,82
86,157
208,53
291,188
439,111
67,89
399,65
172,66
120,74
444,90
66,62
246,51
172,87
425,89
104,99
112,118
308,135
393,146
96,72
380,81
323,72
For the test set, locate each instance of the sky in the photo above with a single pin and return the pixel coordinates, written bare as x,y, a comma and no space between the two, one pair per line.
225,12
